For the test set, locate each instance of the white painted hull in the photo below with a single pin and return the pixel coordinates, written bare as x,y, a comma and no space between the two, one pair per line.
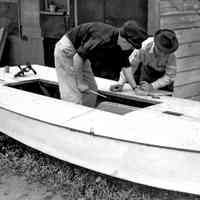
154,166
151,163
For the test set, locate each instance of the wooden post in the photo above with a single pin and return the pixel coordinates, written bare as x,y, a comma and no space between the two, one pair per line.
153,16
3,37
75,13
68,7
32,44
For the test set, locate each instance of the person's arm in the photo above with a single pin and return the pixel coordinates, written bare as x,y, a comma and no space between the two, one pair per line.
162,82
128,74
78,63
135,58
169,75
122,80
118,87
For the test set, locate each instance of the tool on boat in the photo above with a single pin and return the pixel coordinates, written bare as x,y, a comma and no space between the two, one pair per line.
97,93
22,71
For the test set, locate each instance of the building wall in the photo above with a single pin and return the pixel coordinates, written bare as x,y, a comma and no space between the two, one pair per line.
24,42
183,17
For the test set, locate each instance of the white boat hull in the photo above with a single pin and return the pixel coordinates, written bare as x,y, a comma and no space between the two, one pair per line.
148,157
154,166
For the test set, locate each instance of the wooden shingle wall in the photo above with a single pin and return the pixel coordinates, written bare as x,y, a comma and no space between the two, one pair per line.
183,16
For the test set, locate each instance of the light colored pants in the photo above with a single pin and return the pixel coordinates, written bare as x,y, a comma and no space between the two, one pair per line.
67,79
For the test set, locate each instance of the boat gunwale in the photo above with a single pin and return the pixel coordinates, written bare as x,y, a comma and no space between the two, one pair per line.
102,136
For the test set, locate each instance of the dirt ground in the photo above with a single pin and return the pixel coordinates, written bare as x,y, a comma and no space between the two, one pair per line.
27,174
14,187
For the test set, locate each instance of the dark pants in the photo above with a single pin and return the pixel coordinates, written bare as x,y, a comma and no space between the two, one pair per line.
148,74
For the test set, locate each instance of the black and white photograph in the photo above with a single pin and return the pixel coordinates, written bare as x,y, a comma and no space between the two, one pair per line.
99,99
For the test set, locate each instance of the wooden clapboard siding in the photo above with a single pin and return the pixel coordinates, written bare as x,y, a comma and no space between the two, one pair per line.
178,5
188,49
188,90
196,98
180,20
186,36
187,77
9,1
183,17
188,63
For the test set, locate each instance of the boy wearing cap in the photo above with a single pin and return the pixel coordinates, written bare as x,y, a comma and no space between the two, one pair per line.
154,65
81,45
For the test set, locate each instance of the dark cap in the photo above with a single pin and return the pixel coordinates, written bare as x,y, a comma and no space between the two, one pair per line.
133,33
166,41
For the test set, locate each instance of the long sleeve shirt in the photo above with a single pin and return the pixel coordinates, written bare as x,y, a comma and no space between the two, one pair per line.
147,56
98,41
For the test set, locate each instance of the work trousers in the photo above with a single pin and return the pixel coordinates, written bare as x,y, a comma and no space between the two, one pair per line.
67,77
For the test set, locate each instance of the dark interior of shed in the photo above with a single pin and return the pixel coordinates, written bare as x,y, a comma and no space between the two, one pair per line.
33,29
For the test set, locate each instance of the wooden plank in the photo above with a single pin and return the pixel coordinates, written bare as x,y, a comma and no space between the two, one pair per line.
187,77
188,35
188,63
166,6
9,17
180,20
196,98
22,51
178,5
9,1
189,49
153,16
3,37
187,90
30,18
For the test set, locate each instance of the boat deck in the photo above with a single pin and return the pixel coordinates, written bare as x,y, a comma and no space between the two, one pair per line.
157,144
173,122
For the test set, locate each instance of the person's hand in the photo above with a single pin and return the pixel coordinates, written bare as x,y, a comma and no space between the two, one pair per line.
116,88
140,92
83,87
146,86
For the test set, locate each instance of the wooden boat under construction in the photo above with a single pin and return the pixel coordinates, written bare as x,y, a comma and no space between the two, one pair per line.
152,140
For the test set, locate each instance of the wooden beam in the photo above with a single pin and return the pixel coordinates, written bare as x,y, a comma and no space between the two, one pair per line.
75,13
153,16
3,36
9,1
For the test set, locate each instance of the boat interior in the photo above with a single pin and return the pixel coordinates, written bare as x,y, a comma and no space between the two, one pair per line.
107,101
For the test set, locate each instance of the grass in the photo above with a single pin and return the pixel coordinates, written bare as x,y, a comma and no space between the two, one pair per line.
71,181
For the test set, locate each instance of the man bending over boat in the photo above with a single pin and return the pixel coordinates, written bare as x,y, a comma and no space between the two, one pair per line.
75,51
154,65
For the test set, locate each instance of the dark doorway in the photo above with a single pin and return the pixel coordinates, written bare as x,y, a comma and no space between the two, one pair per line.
114,12
49,45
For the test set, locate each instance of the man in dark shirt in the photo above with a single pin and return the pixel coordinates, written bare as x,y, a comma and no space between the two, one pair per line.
88,42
